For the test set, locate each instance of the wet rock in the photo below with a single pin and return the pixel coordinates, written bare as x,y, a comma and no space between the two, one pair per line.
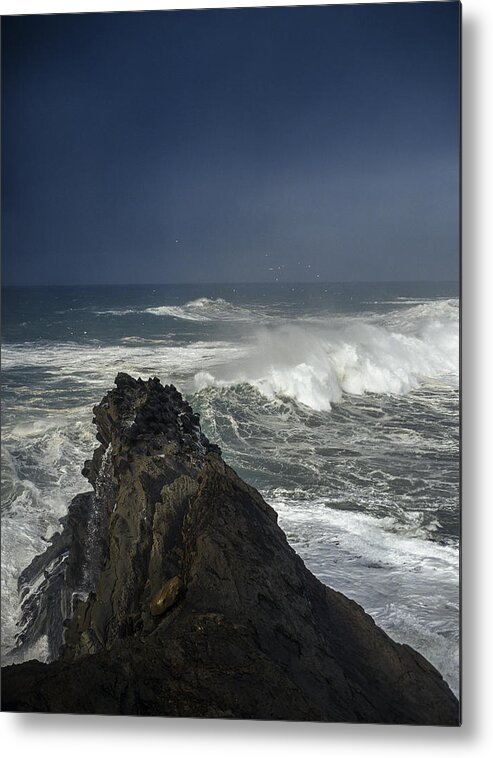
167,596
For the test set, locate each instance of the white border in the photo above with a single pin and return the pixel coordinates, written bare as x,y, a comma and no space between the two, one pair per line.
56,736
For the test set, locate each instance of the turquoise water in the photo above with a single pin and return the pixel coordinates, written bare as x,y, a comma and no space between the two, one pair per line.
339,402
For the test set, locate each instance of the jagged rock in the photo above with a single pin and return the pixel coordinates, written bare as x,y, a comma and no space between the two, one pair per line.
196,605
57,580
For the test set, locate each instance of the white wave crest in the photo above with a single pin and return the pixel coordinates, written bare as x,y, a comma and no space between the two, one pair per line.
316,364
203,309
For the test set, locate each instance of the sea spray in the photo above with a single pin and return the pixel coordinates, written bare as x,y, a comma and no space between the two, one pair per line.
317,364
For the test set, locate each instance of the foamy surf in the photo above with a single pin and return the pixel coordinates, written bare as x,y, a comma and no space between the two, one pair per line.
41,472
386,570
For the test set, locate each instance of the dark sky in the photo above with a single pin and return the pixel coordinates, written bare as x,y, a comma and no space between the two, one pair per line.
232,145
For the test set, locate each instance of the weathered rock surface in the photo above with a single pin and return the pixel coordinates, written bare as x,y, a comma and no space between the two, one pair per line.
190,602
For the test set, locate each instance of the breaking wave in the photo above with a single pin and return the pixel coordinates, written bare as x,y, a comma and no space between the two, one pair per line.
204,309
316,364
201,309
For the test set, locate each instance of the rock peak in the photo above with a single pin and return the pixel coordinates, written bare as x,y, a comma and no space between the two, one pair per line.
146,410
146,418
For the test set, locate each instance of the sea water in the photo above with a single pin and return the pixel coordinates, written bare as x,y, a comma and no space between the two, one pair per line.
339,402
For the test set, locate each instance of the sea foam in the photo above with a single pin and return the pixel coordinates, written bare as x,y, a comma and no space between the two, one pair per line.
385,569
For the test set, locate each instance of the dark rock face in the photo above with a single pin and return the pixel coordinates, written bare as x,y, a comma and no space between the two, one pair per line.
190,600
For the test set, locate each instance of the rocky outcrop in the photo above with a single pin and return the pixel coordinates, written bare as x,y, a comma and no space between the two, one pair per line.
182,597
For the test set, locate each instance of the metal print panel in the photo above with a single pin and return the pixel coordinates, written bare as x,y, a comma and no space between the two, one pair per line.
230,307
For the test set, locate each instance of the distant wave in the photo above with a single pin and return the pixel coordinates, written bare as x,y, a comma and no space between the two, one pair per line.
316,364
118,312
204,309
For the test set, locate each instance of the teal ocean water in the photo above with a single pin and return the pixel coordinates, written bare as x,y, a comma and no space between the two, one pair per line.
339,402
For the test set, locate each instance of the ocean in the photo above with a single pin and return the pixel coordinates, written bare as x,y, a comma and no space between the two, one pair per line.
339,402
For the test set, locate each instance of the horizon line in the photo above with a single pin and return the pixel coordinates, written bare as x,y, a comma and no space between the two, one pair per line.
237,284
